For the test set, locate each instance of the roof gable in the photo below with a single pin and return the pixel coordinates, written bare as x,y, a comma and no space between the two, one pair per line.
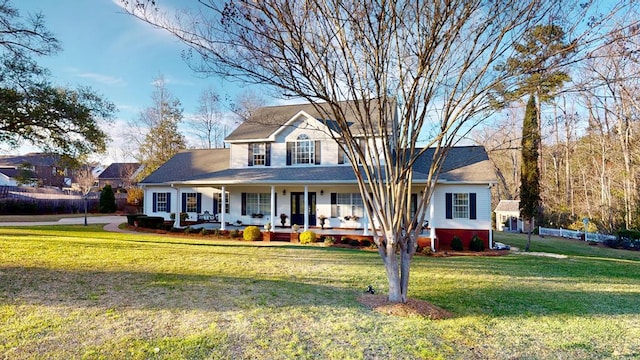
265,122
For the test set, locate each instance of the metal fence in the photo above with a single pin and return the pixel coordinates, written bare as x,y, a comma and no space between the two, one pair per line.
573,234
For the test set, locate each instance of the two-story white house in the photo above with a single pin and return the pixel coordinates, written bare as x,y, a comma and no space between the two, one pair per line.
283,161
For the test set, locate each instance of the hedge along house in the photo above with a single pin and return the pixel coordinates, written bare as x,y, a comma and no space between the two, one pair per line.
283,161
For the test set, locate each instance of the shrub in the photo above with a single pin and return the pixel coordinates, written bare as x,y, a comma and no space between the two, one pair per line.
426,250
354,242
252,233
188,230
235,233
344,240
365,242
107,200
217,232
150,222
307,237
131,218
135,196
476,244
329,240
456,243
204,231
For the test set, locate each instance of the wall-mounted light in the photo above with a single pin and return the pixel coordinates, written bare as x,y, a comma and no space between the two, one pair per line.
284,192
321,192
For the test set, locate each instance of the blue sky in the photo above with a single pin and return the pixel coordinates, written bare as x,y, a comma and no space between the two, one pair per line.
119,57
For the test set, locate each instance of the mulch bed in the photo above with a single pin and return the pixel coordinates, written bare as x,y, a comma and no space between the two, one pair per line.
413,307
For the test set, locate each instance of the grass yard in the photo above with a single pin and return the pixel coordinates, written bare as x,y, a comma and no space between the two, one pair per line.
79,292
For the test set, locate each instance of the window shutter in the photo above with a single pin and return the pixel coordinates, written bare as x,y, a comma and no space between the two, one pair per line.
168,202
250,152
334,204
184,202
472,206
267,154
318,152
340,155
155,199
243,210
276,205
449,205
199,203
289,153
215,205
414,204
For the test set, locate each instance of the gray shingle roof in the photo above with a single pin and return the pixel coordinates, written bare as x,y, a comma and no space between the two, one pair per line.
35,159
469,164
189,164
508,206
118,170
267,120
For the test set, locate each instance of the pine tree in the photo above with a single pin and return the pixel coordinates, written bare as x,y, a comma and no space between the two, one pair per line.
107,200
530,172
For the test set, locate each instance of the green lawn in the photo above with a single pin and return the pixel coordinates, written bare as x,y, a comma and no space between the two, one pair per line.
79,292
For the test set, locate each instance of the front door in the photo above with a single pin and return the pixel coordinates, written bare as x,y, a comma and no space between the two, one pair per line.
297,208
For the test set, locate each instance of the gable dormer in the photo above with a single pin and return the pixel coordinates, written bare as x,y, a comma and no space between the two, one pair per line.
290,135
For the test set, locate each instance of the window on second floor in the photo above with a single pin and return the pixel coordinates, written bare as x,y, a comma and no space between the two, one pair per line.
303,151
259,154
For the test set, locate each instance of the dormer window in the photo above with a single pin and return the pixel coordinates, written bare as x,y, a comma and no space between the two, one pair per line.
303,151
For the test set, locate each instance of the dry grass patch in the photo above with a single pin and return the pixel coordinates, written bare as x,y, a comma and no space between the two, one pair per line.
413,307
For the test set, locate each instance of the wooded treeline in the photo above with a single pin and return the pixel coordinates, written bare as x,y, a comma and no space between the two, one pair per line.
591,149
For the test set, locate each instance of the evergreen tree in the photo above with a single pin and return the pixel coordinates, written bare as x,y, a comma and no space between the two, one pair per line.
530,172
163,139
107,200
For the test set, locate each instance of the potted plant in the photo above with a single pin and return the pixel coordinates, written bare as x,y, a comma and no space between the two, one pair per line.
266,234
294,233
322,219
283,219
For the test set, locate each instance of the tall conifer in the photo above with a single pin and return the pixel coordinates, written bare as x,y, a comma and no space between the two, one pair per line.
530,172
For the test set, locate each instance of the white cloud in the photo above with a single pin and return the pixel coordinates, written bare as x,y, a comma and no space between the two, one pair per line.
101,78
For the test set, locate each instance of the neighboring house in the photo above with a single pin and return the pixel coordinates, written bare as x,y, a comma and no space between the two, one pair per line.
508,217
45,168
119,175
282,161
8,176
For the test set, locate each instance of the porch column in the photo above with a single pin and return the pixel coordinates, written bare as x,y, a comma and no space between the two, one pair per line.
223,199
432,225
365,222
272,219
306,207
178,202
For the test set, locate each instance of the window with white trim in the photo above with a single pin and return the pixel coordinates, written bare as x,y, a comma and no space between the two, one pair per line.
161,202
218,197
259,153
460,205
191,202
259,203
349,205
304,150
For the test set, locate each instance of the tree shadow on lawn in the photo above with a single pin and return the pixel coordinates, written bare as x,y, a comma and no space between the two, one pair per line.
171,291
518,285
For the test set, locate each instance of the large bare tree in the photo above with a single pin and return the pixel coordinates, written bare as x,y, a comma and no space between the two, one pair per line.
433,61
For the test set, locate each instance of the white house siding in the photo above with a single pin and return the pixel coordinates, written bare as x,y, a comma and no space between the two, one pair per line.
483,207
